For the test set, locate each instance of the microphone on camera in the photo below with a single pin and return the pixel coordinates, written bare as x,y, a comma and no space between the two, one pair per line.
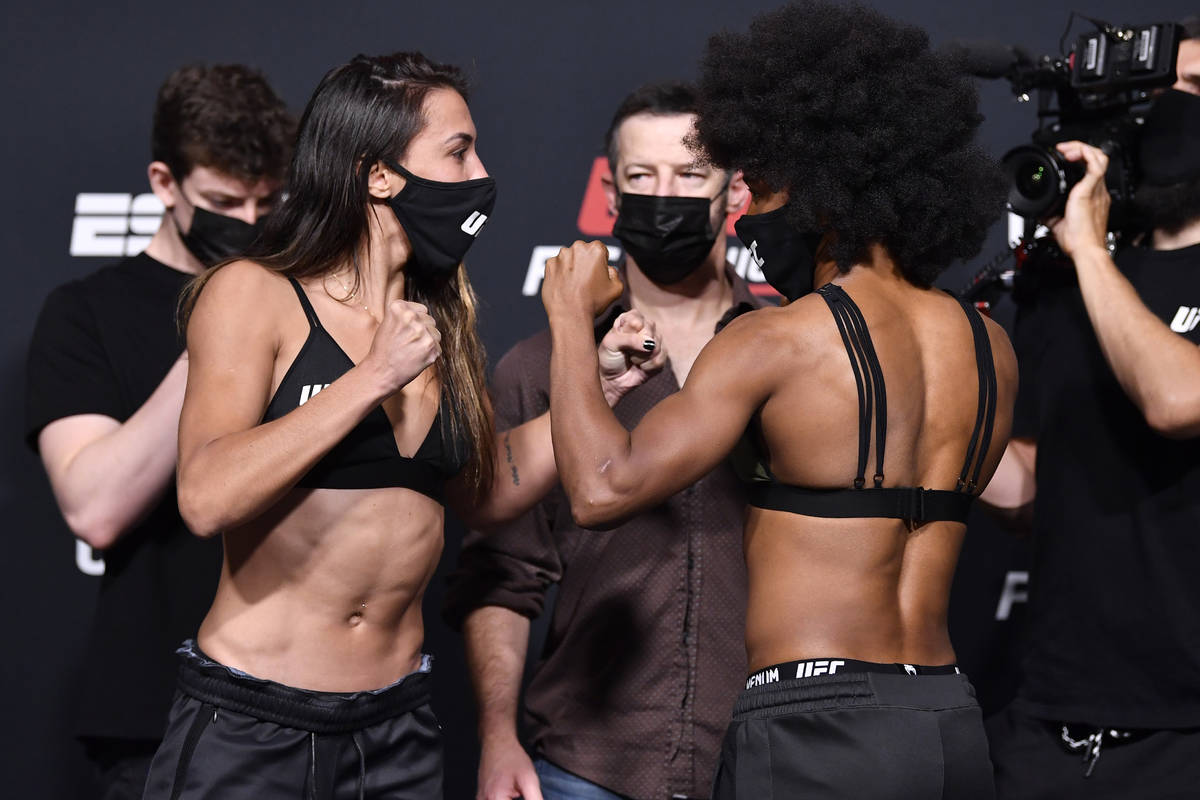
985,59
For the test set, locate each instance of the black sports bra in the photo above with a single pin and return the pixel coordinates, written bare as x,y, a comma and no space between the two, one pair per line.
368,457
912,503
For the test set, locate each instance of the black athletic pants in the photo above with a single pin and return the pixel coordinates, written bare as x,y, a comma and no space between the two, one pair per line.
1034,762
856,735
235,737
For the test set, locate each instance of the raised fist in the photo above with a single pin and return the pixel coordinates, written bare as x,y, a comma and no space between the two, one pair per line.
406,342
580,280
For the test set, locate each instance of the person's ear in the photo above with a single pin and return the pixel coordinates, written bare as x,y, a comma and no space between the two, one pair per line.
608,184
383,183
163,184
738,194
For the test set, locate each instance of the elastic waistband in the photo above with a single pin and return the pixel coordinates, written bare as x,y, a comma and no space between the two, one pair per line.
211,682
846,684
814,667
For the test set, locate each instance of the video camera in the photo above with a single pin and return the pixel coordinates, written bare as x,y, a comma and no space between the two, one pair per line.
1097,93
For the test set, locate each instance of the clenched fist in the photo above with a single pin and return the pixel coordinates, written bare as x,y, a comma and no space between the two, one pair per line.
579,280
406,342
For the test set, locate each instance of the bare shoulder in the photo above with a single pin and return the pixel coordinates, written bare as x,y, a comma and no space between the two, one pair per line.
244,280
779,329
768,343
241,296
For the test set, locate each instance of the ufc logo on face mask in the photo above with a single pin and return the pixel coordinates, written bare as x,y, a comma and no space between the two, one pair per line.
474,223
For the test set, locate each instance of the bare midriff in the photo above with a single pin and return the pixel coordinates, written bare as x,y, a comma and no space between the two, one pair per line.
324,591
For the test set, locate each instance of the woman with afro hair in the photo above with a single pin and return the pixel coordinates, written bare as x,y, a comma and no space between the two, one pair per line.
876,407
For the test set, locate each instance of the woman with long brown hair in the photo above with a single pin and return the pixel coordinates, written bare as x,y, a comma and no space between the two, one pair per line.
335,403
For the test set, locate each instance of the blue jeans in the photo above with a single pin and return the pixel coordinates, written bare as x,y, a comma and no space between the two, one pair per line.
558,784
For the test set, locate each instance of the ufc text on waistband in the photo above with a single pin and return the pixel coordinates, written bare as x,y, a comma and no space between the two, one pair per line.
811,668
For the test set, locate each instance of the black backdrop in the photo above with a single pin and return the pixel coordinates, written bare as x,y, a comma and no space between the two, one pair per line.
80,79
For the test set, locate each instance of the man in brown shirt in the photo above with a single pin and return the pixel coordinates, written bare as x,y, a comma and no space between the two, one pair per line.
644,654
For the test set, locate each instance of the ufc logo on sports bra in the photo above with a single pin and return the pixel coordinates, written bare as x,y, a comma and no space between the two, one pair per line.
474,223
309,392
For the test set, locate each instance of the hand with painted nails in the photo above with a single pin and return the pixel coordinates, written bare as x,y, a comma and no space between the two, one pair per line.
1084,222
579,281
629,354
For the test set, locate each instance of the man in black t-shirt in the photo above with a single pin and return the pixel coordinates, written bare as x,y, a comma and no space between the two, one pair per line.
106,375
1106,436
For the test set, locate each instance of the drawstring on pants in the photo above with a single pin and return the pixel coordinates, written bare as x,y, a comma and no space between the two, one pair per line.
312,765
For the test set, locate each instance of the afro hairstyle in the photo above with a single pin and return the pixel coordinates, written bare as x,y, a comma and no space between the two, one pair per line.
871,133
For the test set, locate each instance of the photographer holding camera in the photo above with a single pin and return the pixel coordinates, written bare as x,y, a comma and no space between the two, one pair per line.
1109,414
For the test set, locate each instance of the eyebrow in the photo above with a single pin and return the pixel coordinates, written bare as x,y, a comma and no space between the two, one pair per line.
691,165
464,138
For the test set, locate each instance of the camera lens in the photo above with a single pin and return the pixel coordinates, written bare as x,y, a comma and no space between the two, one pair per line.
1038,182
1033,180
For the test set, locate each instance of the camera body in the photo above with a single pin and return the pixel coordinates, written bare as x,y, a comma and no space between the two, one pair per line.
1096,94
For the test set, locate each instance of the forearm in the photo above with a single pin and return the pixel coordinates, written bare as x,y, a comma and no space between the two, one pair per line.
112,482
590,444
524,472
1159,370
1012,486
1010,494
496,641
234,478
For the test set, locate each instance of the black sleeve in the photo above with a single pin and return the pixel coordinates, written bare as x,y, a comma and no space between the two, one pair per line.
513,565
1030,335
68,371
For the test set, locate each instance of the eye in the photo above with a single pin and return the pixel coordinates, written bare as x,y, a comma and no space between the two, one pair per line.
459,154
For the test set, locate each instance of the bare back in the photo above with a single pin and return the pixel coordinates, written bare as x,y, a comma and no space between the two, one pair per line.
872,589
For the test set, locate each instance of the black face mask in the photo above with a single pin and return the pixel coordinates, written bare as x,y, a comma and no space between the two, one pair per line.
441,219
668,237
1169,150
216,237
786,257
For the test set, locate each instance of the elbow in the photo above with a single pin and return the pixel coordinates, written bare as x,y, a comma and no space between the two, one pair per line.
597,510
94,527
199,512
1175,416
1015,520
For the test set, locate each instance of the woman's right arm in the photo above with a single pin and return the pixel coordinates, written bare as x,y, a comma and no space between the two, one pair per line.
231,468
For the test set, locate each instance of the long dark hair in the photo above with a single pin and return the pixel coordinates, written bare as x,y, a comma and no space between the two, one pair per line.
361,113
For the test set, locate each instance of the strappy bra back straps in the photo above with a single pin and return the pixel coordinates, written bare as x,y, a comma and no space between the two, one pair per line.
912,503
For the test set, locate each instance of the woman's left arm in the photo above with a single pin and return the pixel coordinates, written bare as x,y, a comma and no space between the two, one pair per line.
610,474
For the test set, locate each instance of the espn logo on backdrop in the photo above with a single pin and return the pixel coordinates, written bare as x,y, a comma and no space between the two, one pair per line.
114,224
594,220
